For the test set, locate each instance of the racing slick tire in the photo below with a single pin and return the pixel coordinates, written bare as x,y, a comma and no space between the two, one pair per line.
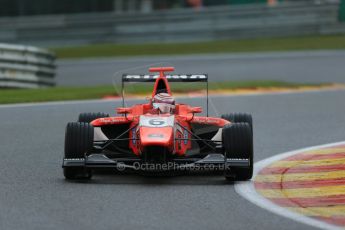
237,141
238,118
78,143
88,117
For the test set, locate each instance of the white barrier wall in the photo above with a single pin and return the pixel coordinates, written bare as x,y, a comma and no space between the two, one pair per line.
26,67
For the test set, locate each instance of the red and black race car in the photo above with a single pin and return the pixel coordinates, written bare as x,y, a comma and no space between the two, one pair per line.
160,135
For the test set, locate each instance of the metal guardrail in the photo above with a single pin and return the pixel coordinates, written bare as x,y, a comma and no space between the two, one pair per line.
226,22
26,67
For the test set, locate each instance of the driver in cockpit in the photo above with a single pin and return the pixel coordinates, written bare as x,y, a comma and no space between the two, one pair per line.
163,103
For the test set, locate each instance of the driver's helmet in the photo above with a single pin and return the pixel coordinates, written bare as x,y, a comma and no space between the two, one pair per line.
163,102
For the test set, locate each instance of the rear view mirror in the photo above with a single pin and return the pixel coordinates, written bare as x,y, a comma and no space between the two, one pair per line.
123,110
195,110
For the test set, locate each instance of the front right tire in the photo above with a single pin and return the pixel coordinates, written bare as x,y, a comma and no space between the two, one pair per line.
237,139
78,143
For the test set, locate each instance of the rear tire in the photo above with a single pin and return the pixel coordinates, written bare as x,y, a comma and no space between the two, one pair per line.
78,143
239,118
88,117
237,141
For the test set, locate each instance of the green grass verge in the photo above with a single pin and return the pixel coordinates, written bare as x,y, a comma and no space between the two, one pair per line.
266,44
8,96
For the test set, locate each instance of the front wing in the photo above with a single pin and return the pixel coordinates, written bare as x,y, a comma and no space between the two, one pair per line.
215,160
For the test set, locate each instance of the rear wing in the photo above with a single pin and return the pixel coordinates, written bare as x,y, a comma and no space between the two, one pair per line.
170,78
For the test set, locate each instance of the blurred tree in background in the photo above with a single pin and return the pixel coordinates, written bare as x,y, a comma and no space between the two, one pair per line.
38,7
342,11
35,7
245,1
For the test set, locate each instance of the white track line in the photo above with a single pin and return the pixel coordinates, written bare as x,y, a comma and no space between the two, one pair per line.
248,191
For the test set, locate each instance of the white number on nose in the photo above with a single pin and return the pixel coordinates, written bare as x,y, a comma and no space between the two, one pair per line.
156,122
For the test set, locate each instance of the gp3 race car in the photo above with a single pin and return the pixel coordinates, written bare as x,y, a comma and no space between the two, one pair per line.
160,135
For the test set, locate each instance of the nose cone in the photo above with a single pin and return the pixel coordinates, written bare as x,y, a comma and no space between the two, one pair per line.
157,136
